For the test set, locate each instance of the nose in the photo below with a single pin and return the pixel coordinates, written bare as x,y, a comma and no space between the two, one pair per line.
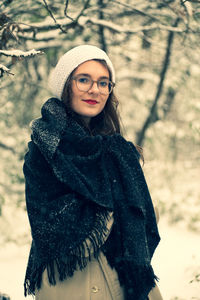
94,88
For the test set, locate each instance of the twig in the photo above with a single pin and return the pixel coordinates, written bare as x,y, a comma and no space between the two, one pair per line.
188,11
7,148
66,8
139,11
52,16
82,10
65,11
4,69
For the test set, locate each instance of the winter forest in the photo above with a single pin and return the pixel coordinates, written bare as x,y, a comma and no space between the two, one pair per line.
155,48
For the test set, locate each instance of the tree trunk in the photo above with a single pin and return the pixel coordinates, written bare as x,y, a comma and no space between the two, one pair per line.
102,39
152,117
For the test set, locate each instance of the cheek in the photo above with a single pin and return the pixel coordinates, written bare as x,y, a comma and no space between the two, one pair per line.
103,103
104,100
75,95
73,91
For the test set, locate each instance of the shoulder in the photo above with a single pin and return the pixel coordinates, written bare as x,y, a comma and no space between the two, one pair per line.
33,152
34,159
135,150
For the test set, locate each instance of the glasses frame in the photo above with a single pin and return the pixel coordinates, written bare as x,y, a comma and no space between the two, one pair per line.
112,84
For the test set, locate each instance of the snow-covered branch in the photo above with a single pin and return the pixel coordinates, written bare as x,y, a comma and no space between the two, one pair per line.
47,25
127,30
83,21
4,69
20,53
16,54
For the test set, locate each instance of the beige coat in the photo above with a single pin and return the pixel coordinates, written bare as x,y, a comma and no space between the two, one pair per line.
96,282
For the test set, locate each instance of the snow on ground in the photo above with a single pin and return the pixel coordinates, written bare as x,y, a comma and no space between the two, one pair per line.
175,262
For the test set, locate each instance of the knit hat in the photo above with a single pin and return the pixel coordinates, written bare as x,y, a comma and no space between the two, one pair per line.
71,60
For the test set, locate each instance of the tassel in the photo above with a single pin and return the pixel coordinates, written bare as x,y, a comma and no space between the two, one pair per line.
33,281
75,259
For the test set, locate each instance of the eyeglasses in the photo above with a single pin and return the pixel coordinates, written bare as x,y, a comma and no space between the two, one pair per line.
85,83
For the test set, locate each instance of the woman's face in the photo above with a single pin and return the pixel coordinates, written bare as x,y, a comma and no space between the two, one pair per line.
89,104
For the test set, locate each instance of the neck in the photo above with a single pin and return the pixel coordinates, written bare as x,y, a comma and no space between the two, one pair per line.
86,120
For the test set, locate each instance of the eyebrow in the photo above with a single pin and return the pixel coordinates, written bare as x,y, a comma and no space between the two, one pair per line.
85,74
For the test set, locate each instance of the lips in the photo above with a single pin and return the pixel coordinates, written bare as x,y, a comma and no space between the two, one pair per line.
91,101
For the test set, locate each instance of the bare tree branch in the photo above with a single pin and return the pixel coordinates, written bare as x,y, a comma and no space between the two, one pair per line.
139,11
66,9
52,16
86,4
5,147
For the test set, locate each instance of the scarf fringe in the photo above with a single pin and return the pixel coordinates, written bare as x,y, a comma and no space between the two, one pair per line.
139,281
65,266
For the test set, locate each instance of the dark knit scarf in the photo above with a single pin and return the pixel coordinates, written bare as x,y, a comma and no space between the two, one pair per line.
73,180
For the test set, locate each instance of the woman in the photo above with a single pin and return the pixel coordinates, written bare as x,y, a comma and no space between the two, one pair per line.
92,220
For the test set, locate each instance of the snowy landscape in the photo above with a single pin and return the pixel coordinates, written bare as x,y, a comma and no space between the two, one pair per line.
154,46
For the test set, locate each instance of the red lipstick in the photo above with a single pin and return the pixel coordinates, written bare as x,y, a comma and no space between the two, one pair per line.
91,101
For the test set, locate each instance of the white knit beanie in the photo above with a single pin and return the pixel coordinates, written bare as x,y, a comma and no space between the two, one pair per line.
71,60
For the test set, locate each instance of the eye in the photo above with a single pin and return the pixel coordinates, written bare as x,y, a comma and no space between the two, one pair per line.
83,79
103,83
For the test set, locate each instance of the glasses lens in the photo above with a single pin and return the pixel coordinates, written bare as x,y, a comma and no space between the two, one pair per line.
103,86
83,83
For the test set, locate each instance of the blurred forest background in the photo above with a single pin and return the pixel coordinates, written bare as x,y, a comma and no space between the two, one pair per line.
155,48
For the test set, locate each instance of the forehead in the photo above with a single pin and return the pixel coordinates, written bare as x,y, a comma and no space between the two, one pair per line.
92,68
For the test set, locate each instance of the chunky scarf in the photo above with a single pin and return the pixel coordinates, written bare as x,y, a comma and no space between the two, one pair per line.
73,180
